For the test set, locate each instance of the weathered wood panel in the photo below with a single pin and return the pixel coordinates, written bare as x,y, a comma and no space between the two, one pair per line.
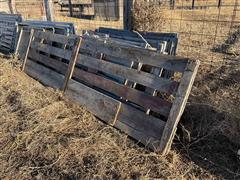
66,54
45,75
99,104
178,106
9,32
49,66
139,55
140,77
148,115
105,107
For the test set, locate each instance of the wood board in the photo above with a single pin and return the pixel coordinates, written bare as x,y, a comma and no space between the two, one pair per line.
149,118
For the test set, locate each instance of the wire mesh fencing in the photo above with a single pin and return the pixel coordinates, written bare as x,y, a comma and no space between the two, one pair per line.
208,29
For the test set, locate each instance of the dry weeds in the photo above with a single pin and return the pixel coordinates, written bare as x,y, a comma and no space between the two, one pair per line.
44,136
147,16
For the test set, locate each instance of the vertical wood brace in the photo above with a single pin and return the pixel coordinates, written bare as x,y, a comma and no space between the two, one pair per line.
19,40
72,62
178,107
117,114
28,47
219,3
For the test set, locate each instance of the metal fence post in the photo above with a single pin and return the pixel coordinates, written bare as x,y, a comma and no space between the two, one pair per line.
128,6
48,5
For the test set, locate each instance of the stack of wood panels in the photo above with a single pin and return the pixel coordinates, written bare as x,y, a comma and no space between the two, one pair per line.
165,43
78,66
9,32
162,43
26,26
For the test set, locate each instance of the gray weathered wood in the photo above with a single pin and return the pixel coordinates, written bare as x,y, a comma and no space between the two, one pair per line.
72,62
178,106
28,47
140,77
99,104
45,75
136,123
65,54
155,103
136,54
69,40
55,64
146,129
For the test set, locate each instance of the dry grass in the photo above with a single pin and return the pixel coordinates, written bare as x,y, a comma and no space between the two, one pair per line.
43,136
200,30
145,14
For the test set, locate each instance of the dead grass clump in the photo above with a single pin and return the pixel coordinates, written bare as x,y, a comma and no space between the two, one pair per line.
147,16
44,136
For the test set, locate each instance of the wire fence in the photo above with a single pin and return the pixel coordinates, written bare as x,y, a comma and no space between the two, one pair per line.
208,30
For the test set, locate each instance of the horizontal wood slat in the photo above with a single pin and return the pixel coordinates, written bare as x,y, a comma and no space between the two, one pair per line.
136,110
154,103
55,37
44,75
99,104
140,77
152,58
65,54
47,61
106,107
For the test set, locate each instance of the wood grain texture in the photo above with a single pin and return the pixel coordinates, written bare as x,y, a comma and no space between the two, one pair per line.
99,104
72,62
27,51
55,64
178,106
140,55
140,77
155,103
137,124
69,40
65,54
45,75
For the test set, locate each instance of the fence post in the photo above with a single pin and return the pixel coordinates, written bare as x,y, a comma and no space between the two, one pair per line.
12,8
193,4
48,5
127,17
219,3
70,8
172,4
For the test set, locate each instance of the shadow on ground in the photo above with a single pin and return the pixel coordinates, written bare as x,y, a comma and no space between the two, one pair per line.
232,40
209,133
